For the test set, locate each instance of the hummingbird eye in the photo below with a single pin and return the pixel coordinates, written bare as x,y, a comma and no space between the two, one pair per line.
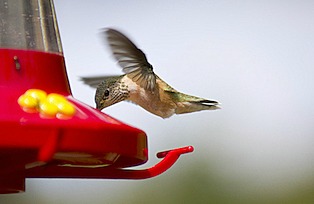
106,94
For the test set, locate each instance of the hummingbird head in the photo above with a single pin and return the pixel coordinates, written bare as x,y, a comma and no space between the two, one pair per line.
110,91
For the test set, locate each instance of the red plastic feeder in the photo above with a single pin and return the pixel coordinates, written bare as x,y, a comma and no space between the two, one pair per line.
41,138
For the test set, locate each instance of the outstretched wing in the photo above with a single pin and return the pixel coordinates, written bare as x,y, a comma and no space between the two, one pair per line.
94,81
132,60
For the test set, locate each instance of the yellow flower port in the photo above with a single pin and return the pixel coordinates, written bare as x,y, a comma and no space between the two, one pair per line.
48,105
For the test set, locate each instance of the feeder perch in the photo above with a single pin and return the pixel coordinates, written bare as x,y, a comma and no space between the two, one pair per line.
45,132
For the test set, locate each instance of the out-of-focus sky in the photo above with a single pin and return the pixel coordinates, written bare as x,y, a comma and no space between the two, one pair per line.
254,57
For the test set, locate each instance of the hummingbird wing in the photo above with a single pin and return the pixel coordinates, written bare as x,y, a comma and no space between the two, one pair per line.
132,60
94,81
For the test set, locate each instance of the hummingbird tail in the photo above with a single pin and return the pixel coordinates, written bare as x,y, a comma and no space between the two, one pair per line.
207,104
196,105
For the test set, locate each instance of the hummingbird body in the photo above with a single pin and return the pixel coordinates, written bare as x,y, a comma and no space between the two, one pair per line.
157,102
140,84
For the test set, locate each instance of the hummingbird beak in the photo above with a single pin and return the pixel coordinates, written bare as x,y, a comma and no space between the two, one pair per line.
99,106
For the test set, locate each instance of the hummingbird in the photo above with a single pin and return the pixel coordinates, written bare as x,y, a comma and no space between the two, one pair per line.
140,84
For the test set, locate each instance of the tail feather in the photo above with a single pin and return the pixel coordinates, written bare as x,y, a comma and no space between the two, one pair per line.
206,102
196,105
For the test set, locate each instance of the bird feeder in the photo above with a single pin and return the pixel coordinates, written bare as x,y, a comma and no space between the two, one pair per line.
45,132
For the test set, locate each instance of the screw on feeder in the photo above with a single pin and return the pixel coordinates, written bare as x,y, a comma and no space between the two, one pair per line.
17,63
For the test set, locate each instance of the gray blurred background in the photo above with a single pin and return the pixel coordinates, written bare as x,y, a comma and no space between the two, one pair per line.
254,57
